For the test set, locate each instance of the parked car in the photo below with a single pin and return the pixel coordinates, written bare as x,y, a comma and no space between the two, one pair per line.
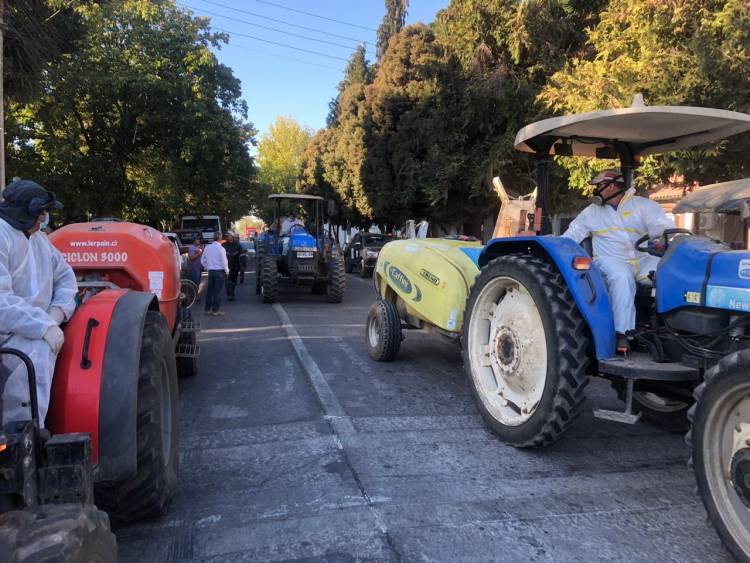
362,252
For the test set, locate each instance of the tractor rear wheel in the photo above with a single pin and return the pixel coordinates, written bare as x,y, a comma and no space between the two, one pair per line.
63,533
383,331
720,447
269,280
151,489
336,279
524,350
187,366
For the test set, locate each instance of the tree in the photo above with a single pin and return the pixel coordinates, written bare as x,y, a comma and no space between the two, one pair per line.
140,121
393,22
280,154
675,53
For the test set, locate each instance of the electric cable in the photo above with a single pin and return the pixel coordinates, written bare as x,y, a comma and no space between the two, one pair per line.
261,16
265,27
314,15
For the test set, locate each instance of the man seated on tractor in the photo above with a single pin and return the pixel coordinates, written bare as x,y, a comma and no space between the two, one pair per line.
615,221
286,231
37,294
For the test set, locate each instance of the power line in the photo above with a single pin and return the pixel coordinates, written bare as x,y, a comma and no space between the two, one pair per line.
276,55
314,15
297,48
267,27
282,21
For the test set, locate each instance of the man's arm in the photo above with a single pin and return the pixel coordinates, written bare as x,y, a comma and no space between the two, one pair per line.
654,218
578,229
64,284
16,315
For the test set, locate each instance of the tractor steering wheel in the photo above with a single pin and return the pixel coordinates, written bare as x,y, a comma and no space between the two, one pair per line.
658,246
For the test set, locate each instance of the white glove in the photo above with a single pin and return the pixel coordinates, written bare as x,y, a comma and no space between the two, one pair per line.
55,338
57,315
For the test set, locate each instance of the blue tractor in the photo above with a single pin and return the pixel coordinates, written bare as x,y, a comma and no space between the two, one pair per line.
538,322
296,250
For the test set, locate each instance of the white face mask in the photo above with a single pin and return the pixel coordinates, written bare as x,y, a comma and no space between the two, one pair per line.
45,222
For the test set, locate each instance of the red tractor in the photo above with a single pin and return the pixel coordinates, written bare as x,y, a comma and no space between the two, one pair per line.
116,375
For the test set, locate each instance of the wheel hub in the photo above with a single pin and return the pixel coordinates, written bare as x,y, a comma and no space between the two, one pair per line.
740,473
506,351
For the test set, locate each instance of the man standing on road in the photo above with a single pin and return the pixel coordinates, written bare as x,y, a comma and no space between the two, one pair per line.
214,260
37,294
233,249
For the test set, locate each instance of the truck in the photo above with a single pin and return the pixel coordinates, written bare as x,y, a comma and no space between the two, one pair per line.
208,227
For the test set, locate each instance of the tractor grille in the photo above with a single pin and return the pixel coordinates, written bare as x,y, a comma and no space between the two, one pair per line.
306,266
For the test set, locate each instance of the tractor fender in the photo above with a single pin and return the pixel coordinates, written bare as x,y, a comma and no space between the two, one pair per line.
586,287
100,396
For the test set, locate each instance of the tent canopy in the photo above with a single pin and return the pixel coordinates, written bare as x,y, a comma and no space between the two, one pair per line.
725,197
644,129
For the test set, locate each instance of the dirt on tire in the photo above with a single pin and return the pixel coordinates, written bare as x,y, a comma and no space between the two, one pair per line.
150,490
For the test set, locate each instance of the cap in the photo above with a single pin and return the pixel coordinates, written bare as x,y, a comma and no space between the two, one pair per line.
31,195
607,177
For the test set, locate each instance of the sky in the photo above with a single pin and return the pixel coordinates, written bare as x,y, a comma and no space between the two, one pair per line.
278,80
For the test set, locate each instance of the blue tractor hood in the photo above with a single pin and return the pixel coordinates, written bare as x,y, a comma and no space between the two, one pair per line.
301,239
699,272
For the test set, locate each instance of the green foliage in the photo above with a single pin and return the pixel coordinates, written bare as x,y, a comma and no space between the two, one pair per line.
138,121
280,154
393,22
692,52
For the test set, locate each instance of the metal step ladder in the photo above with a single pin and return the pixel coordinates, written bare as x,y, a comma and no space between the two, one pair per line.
187,350
190,326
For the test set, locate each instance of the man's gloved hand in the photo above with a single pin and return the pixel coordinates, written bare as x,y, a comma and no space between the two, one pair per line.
57,315
55,338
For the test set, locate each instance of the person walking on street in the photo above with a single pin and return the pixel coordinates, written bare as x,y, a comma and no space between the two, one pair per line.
234,250
214,259
195,251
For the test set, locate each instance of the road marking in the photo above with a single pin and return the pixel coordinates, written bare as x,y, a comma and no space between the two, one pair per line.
331,406
341,424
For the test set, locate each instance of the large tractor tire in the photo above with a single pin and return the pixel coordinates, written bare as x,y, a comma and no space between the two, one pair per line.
59,533
150,490
336,279
383,331
720,444
269,280
524,350
187,367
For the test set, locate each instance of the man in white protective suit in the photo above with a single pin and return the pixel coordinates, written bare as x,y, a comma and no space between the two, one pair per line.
37,293
615,221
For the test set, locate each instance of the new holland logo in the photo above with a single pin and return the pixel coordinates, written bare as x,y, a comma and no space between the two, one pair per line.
402,282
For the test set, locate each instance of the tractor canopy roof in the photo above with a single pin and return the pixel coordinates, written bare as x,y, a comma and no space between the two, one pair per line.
642,129
296,196
725,197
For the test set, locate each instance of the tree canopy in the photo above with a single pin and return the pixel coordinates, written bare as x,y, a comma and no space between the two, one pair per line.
134,118
422,132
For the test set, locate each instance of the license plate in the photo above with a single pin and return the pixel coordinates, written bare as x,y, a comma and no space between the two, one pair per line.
304,255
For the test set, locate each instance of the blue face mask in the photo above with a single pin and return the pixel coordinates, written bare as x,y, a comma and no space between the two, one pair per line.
45,222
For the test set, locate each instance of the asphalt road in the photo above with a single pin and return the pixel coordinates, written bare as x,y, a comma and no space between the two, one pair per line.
297,447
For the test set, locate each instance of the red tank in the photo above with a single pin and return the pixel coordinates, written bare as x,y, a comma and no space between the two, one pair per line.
123,255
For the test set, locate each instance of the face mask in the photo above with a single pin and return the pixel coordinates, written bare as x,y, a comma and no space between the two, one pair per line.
45,222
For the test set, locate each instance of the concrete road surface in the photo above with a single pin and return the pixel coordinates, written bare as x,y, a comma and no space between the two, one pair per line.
297,447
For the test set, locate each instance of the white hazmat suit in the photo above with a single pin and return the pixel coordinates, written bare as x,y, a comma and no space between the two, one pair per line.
614,233
37,291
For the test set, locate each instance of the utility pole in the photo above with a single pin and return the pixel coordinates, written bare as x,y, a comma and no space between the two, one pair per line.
2,103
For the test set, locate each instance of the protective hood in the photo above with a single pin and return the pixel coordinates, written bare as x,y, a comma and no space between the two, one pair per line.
23,202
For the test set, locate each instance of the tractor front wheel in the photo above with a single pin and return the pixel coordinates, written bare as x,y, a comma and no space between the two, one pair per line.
720,444
151,489
336,279
64,533
269,280
524,350
187,366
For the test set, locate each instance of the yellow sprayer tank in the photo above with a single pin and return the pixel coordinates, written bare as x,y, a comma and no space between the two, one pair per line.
432,277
